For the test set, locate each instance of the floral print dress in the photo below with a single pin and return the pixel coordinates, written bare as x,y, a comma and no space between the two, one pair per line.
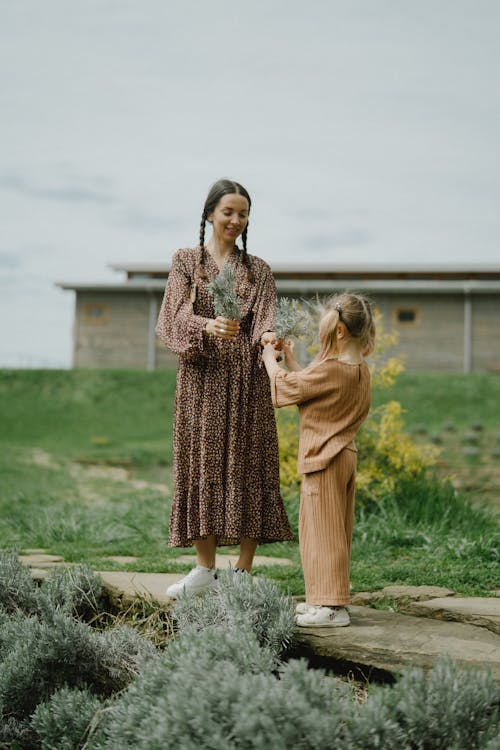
226,460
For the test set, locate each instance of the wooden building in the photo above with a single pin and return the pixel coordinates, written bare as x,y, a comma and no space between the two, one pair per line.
447,317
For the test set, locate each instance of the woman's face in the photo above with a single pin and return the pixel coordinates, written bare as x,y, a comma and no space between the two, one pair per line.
230,217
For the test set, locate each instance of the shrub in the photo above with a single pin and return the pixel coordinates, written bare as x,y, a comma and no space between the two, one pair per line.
452,707
62,722
18,592
254,602
76,590
181,699
198,697
40,656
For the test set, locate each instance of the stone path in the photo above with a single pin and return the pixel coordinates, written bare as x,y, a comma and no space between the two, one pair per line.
430,622
390,642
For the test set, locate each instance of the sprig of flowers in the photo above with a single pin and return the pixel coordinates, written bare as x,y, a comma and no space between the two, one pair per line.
222,288
291,318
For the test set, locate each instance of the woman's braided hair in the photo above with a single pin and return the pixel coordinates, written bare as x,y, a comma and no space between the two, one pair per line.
218,190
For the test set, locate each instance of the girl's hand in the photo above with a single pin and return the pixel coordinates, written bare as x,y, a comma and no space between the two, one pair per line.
269,337
223,328
288,347
270,353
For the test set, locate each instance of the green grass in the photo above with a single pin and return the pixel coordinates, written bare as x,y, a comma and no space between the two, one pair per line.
432,399
85,472
455,412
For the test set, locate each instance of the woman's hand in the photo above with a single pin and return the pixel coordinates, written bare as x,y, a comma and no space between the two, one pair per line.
223,328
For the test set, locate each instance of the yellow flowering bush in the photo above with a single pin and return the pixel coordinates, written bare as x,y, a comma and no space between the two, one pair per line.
385,451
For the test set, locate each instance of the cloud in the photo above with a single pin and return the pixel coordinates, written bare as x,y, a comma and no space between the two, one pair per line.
142,221
9,261
71,192
348,237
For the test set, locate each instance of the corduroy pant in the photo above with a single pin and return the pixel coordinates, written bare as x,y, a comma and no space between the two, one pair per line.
325,530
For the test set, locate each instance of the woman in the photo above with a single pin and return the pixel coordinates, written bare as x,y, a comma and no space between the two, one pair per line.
226,461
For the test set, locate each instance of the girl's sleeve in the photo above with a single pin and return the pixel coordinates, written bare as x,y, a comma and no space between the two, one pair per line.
178,327
286,388
265,309
304,385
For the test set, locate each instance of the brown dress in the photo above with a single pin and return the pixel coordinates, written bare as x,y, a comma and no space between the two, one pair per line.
226,460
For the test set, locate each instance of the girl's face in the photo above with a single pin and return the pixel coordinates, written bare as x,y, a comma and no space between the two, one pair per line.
230,217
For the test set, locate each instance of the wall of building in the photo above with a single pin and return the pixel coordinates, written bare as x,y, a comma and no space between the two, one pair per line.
485,332
112,329
434,340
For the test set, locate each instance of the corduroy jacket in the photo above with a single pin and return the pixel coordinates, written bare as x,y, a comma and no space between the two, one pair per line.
333,399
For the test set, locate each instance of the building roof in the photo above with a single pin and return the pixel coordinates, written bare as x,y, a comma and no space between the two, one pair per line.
303,271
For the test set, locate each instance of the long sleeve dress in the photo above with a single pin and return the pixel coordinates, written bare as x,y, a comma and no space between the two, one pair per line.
226,459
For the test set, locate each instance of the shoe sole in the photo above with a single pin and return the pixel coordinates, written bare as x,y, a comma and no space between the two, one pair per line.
198,590
322,624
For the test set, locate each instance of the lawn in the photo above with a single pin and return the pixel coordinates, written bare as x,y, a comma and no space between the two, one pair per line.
85,472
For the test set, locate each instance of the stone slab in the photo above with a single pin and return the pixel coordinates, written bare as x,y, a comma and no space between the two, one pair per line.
36,551
39,574
480,611
416,593
41,560
122,559
413,593
123,588
393,642
226,561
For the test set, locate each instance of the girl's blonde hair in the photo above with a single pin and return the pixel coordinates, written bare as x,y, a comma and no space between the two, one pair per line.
355,312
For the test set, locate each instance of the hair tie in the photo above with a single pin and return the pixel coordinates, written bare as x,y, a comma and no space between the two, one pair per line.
338,308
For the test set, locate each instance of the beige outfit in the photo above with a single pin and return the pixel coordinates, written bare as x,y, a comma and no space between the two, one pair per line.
333,399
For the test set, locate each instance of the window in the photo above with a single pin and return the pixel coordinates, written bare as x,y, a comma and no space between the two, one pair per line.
406,315
95,313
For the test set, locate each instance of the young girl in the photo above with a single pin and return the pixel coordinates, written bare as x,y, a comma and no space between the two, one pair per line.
333,395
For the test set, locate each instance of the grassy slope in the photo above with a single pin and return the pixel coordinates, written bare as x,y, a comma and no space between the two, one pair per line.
57,426
432,399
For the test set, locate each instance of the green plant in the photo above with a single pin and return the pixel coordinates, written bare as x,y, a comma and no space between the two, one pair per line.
17,589
181,699
44,655
222,287
247,601
62,722
76,590
176,704
452,707
291,318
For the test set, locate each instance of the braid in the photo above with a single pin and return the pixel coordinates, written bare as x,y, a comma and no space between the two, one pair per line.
244,256
201,269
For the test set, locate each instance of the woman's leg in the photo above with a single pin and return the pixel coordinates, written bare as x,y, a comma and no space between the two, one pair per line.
247,552
205,551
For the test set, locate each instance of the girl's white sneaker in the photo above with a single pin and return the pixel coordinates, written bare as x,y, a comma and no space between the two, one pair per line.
323,617
303,607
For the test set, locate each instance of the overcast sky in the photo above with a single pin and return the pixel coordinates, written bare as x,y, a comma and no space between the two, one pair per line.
365,130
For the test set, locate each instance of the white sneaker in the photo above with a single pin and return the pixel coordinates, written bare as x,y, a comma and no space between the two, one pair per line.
324,617
198,580
303,607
